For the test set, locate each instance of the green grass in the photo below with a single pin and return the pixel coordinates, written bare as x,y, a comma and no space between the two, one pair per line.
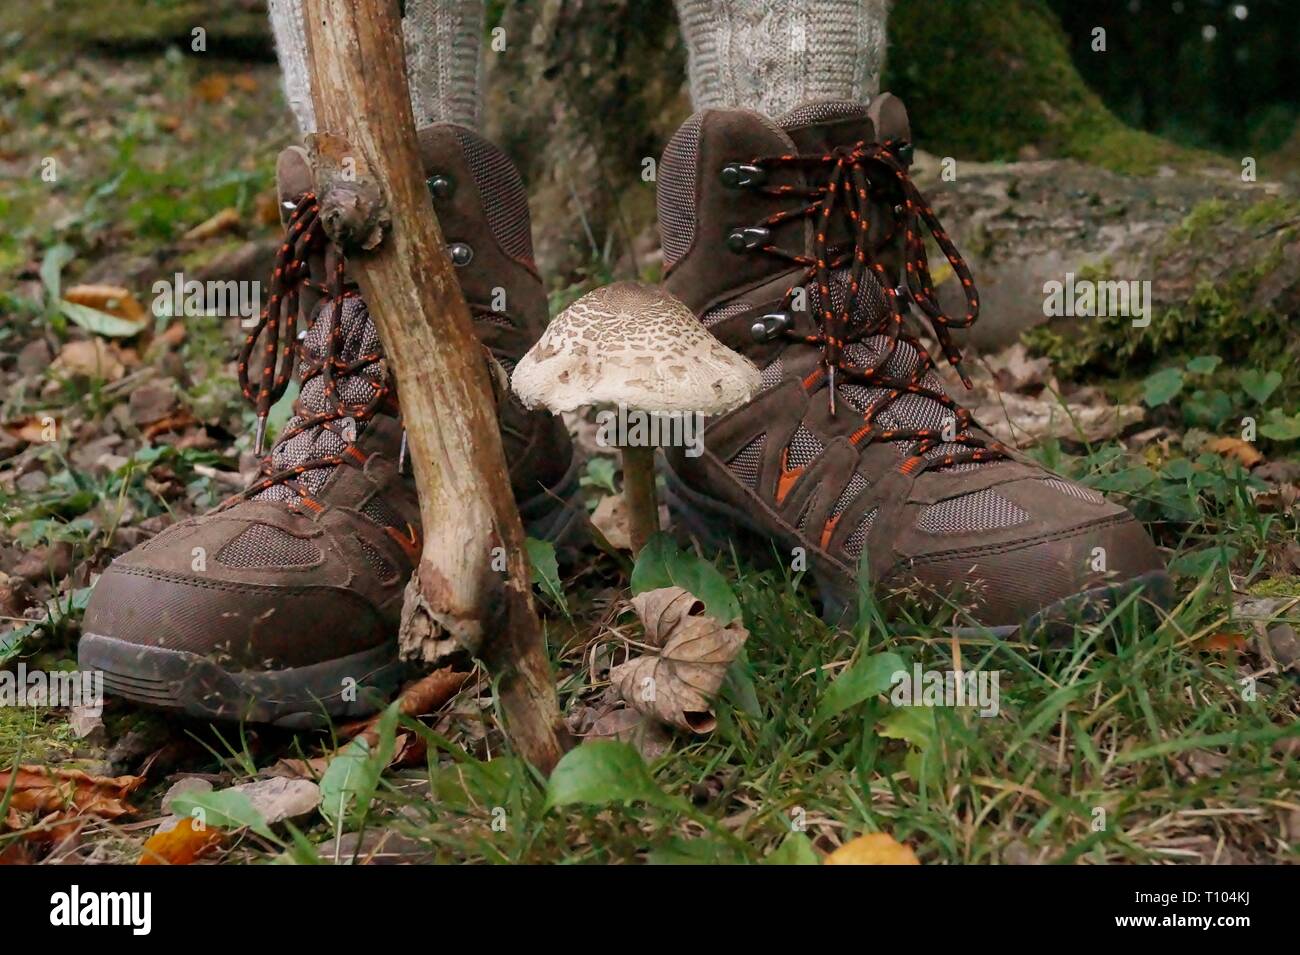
1124,720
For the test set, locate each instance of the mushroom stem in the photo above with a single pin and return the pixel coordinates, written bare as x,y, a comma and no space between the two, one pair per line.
639,493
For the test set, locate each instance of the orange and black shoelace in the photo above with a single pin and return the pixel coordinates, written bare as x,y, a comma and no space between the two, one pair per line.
855,177
304,237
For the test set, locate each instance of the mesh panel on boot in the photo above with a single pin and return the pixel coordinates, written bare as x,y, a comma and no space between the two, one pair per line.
724,312
857,484
826,111
505,201
1074,490
858,539
261,545
378,563
984,510
382,513
772,374
676,196
803,448
747,460
358,337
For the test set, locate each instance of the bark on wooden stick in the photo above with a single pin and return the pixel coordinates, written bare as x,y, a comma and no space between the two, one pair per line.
375,205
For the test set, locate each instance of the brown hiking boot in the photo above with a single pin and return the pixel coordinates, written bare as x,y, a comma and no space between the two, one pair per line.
798,243
282,605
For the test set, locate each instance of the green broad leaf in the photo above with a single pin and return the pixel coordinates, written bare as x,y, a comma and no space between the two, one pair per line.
546,570
1260,385
915,726
1125,481
660,564
1162,387
866,677
679,851
1204,364
1201,562
1280,427
223,809
11,642
600,473
56,257
912,724
1208,409
100,323
349,782
796,849
602,773
738,686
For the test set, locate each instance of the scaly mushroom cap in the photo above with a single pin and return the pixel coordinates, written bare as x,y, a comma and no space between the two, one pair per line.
637,346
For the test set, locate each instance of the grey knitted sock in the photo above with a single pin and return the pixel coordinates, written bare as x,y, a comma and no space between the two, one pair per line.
443,66
772,55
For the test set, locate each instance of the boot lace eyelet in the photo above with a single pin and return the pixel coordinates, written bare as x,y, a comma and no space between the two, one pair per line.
461,254
745,239
738,175
441,186
771,325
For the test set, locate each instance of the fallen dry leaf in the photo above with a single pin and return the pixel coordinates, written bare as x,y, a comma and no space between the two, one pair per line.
266,208
679,683
1279,498
298,768
177,421
1282,646
610,518
279,798
875,848
1014,370
33,429
90,358
47,789
1200,764
1223,643
1033,419
227,220
626,725
424,696
1243,451
113,299
182,844
212,88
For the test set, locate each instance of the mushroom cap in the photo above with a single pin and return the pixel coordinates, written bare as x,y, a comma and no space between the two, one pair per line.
633,345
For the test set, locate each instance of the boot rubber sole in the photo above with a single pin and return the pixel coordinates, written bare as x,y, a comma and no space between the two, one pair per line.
295,698
716,526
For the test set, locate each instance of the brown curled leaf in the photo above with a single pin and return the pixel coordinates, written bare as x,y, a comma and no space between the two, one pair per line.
678,684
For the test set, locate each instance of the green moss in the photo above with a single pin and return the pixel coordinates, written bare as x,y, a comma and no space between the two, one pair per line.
34,735
1276,211
143,24
1286,586
986,78
1216,318
1204,215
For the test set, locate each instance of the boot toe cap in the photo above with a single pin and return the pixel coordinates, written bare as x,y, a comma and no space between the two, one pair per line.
1057,572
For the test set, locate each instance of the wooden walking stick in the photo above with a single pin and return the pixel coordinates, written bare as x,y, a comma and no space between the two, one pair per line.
376,207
